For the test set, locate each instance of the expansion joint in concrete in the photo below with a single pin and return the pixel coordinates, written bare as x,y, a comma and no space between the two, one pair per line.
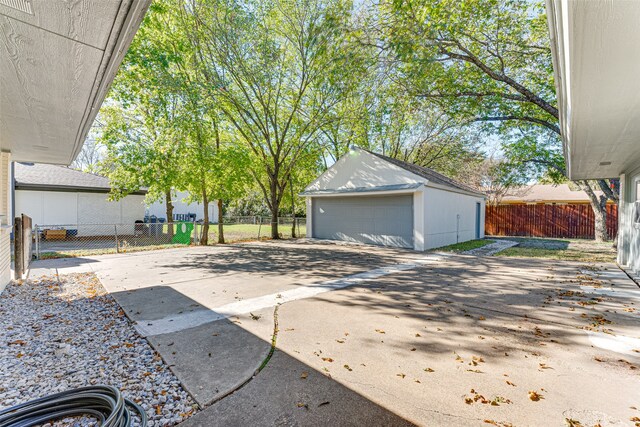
265,362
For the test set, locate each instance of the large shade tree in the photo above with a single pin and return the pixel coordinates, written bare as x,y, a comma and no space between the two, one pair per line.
487,62
275,69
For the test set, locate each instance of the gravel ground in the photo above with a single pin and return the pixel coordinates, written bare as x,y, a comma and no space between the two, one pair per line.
55,336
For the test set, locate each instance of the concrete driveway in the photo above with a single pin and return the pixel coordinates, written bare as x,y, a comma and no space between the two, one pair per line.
325,334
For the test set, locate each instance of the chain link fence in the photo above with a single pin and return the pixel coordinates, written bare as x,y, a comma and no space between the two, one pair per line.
245,228
74,240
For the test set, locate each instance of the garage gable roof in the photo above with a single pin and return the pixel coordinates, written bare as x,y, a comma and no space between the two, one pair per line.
427,173
362,171
39,176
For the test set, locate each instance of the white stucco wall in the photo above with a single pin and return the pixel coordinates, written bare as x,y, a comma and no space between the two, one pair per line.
78,209
441,210
159,208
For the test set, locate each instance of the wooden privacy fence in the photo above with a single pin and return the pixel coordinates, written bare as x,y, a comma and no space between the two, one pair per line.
568,221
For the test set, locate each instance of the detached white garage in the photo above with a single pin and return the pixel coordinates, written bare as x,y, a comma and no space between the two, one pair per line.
370,198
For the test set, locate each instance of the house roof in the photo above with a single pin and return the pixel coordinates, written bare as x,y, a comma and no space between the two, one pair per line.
39,176
427,173
546,193
57,62
597,85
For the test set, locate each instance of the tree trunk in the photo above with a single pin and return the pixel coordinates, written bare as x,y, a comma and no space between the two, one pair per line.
204,239
220,222
293,210
599,207
169,207
275,208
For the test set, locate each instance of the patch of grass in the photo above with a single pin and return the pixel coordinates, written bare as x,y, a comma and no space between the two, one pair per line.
580,250
244,232
465,246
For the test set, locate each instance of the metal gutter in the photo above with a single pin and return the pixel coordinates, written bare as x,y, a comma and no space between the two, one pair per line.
396,188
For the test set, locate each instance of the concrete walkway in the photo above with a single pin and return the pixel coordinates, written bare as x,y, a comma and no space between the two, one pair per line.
492,248
374,336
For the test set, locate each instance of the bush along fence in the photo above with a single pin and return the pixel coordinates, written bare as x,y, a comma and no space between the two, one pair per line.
561,221
73,240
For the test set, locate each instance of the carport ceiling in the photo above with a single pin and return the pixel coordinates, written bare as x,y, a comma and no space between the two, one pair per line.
596,48
57,60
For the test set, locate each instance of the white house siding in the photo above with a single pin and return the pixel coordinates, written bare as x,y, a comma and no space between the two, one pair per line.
441,210
78,209
180,207
628,232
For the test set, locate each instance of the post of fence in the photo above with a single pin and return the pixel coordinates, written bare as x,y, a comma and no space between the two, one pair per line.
196,237
259,226
115,232
18,247
37,230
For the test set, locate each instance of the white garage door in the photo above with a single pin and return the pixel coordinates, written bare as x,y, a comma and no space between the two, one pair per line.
377,220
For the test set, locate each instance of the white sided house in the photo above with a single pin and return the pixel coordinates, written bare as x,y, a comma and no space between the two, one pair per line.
370,198
57,62
182,209
60,197
597,69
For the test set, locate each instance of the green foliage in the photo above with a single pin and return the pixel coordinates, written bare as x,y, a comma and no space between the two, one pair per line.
486,62
275,69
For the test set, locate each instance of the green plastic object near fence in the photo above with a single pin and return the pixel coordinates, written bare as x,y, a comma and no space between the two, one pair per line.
182,233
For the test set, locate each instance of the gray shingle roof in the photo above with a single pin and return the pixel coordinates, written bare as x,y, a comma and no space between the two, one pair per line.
39,176
429,174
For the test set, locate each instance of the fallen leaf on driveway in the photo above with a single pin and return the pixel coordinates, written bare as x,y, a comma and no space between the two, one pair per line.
380,331
341,341
327,359
323,404
510,383
428,370
572,423
535,396
348,368
401,375
16,342
302,405
304,375
544,366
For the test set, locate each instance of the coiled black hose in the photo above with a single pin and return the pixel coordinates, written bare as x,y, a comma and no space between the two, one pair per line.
104,403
